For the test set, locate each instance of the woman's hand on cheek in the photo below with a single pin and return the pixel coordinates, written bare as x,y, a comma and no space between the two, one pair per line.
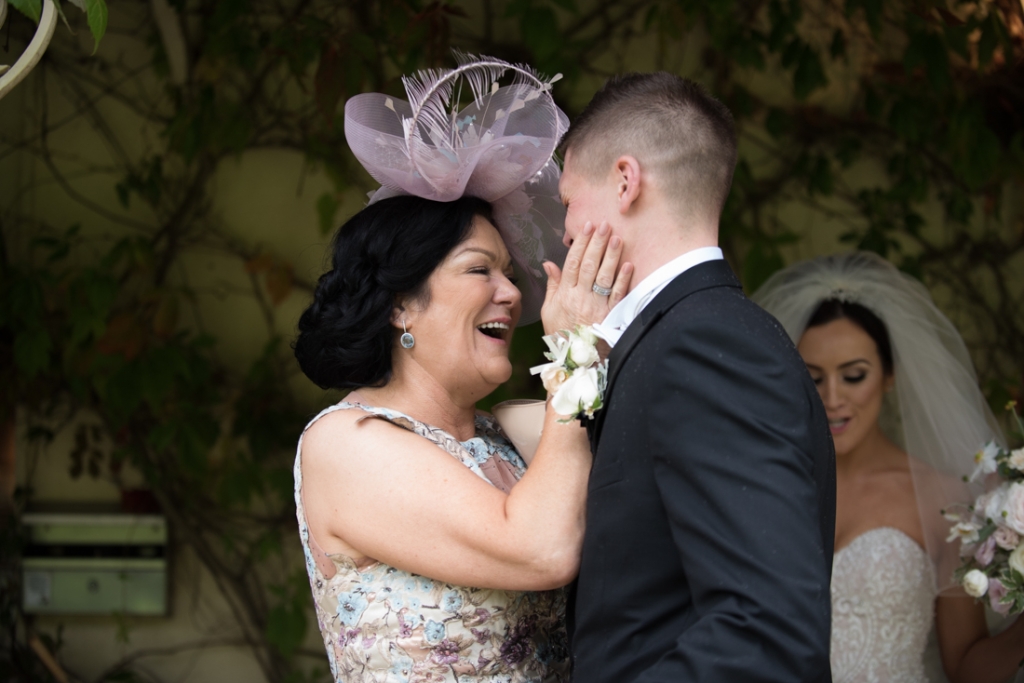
571,298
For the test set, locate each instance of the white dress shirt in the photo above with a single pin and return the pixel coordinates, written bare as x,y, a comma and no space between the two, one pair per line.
627,310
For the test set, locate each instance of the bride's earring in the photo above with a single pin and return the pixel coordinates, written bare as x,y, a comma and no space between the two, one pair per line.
406,340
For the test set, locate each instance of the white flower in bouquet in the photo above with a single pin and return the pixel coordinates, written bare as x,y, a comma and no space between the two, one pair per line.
581,393
967,532
1016,560
990,505
1016,460
985,460
991,531
975,583
1013,509
1006,538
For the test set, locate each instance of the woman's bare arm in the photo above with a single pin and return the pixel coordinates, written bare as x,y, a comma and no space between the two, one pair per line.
395,497
969,655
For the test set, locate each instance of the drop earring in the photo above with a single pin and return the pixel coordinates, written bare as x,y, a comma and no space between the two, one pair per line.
406,340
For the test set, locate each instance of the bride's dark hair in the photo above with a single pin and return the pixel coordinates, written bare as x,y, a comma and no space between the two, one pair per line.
835,309
385,252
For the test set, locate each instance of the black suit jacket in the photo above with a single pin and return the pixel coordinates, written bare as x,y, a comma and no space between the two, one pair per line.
711,504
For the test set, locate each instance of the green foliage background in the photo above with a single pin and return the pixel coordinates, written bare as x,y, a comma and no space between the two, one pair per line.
921,159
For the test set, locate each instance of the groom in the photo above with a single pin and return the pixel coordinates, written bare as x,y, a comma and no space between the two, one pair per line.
711,504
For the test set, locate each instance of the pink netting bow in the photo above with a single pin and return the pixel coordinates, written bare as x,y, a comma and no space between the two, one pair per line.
497,148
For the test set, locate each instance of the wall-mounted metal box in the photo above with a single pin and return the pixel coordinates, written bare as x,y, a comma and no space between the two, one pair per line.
85,563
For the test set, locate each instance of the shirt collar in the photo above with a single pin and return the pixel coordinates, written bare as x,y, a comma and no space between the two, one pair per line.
627,310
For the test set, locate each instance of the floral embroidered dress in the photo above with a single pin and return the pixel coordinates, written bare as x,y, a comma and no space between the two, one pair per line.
882,609
386,625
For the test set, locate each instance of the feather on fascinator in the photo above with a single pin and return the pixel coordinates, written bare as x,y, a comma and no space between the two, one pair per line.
937,413
497,148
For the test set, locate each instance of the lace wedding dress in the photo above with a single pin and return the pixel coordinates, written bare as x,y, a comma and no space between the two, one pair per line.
882,609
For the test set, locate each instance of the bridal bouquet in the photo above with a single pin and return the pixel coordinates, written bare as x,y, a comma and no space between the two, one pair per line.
991,531
576,376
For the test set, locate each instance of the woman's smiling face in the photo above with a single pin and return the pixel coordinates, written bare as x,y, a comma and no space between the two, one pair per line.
846,367
464,328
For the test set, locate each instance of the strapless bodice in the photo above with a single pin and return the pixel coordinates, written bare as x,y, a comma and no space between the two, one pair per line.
882,609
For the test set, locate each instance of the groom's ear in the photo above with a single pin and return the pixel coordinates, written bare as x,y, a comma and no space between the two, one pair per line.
627,178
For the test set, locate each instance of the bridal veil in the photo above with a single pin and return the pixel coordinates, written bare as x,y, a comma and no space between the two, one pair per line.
936,411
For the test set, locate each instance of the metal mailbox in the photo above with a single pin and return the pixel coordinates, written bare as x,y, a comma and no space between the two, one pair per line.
95,564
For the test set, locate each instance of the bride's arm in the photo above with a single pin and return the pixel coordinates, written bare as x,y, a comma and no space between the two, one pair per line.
393,496
969,654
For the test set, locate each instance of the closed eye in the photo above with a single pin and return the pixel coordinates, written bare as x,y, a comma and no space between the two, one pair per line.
855,379
482,270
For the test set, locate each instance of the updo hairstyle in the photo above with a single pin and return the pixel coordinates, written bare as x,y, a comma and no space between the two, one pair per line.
835,309
383,254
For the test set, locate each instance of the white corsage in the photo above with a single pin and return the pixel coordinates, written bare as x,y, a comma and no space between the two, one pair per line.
576,376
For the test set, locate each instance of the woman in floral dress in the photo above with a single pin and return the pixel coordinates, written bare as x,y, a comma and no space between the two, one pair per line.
433,553
404,480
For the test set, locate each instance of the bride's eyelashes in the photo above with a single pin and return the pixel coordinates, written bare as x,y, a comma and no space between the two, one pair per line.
849,379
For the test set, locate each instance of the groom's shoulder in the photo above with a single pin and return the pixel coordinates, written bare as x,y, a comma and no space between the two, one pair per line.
724,305
725,318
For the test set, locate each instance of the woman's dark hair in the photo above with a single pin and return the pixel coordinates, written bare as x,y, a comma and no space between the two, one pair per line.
835,309
386,251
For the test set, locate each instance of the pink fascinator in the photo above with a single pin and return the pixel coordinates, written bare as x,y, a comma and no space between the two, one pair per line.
497,148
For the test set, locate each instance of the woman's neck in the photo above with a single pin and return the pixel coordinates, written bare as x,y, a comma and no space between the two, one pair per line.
425,399
875,452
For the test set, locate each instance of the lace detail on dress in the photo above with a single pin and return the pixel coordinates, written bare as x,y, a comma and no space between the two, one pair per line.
882,609
384,625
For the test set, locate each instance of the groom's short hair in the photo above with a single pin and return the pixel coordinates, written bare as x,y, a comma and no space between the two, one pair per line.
678,132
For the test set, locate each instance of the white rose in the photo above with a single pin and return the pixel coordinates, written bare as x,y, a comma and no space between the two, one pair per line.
553,376
1016,460
975,583
1017,560
1006,538
1013,508
578,393
582,352
990,505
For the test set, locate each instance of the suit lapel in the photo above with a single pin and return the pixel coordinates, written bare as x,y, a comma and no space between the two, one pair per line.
705,275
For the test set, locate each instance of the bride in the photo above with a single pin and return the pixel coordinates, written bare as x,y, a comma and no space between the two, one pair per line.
906,416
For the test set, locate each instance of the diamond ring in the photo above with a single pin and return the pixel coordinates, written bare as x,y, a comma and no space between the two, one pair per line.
601,291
